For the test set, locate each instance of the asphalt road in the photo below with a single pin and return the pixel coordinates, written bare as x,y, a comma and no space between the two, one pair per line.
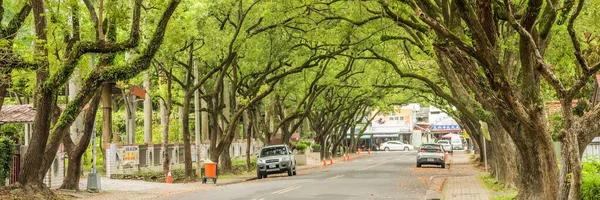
382,175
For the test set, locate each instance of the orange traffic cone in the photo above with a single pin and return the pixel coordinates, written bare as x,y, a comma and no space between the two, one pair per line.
348,157
344,157
358,150
330,160
169,177
369,151
324,162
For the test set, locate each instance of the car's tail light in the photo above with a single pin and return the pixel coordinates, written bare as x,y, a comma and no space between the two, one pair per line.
439,151
423,150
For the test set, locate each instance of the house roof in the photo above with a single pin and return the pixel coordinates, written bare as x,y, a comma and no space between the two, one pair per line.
12,114
17,114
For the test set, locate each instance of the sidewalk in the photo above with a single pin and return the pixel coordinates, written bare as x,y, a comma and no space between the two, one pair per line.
465,187
116,189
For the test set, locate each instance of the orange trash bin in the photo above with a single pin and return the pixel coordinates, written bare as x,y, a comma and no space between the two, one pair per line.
210,171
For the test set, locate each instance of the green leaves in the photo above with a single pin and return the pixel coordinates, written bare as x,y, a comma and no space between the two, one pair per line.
8,149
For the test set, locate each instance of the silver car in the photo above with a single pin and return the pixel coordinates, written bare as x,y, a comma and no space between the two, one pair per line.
275,159
431,153
446,145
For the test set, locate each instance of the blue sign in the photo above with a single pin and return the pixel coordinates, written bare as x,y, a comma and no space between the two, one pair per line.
445,127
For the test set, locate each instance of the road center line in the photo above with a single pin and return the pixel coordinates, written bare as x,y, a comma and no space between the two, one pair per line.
371,166
286,190
335,177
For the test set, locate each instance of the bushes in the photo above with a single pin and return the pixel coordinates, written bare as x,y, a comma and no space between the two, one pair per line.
590,188
316,147
301,147
7,147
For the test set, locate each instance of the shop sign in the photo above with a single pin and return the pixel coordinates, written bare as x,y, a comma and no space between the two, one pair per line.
445,127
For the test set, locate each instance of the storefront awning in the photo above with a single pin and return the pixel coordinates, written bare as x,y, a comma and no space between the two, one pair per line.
384,135
361,137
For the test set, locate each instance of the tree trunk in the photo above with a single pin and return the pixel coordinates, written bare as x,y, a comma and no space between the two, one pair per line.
248,135
570,160
5,81
505,166
71,181
30,169
225,161
538,170
164,120
185,123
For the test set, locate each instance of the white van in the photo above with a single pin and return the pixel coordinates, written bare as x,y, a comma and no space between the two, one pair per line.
457,142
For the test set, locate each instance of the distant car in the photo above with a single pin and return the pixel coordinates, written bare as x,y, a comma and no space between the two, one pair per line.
446,145
431,153
396,145
275,159
457,143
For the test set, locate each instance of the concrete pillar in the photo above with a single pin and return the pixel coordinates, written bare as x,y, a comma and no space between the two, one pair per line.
147,110
107,114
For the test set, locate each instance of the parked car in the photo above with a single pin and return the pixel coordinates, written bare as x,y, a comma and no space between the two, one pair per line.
275,159
396,145
457,143
431,153
446,145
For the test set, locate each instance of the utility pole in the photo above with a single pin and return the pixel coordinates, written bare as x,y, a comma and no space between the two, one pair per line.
93,183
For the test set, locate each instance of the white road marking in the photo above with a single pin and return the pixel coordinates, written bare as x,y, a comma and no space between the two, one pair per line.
258,199
286,190
371,166
335,177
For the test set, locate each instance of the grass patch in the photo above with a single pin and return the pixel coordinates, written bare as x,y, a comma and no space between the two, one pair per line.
497,188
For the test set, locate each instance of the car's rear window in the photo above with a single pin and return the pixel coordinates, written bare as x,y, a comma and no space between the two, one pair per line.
273,151
444,142
431,146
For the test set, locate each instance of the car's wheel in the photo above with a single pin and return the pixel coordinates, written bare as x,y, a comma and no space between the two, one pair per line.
265,175
290,172
387,149
295,171
406,148
418,164
443,165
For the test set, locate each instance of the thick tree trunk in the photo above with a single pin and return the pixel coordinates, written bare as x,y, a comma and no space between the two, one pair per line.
225,161
185,122
71,181
570,171
30,168
505,166
538,170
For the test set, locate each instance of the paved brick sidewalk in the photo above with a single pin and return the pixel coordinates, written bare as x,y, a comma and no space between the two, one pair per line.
466,187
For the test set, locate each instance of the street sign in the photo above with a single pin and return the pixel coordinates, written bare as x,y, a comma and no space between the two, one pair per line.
131,154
